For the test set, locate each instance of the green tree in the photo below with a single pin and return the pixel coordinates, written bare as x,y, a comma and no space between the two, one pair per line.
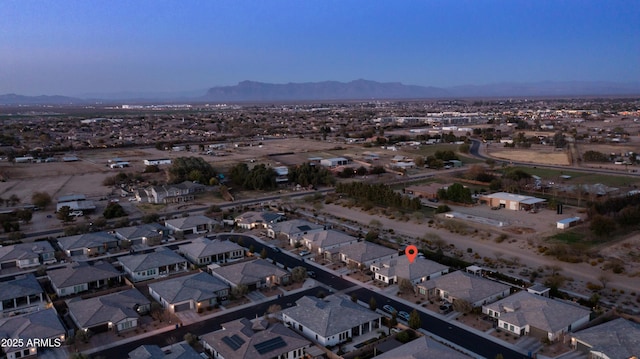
405,285
24,215
114,210
64,214
373,305
414,320
392,322
41,199
299,274
263,253
602,225
239,291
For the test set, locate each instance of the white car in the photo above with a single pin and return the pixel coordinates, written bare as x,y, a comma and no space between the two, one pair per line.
76,214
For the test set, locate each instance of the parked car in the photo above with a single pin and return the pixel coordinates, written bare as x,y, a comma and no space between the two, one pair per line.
304,253
276,249
446,308
404,315
76,214
311,274
389,309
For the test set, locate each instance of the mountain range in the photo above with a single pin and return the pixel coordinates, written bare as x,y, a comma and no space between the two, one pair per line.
251,91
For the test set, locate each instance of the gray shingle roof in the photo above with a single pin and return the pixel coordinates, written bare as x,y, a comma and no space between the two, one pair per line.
176,351
328,238
107,308
422,348
251,338
141,231
20,287
258,217
24,251
295,226
362,252
619,338
524,308
467,286
79,273
142,262
329,316
249,272
189,222
87,240
402,268
204,247
40,324
198,287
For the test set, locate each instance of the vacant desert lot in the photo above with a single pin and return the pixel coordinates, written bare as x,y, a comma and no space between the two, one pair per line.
536,155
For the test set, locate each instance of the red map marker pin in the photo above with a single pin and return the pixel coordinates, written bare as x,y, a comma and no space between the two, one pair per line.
411,252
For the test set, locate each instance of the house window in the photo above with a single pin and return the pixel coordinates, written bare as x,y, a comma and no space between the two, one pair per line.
78,288
511,328
505,325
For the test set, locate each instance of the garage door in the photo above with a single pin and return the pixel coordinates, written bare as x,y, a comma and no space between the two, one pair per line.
8,265
181,307
78,252
100,328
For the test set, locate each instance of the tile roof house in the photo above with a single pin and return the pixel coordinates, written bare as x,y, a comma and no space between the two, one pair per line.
26,255
525,313
474,289
331,320
254,274
194,291
175,351
619,338
88,243
364,254
418,271
203,251
244,339
43,324
79,277
293,230
255,219
422,348
148,234
22,294
118,311
321,241
190,224
161,262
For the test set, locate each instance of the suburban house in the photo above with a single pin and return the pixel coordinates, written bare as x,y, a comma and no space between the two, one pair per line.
330,321
260,339
515,202
93,243
79,277
43,324
364,254
293,230
254,274
422,347
26,255
156,264
174,351
75,202
256,219
460,285
193,291
22,294
418,271
203,251
118,311
190,224
175,193
319,242
147,234
525,313
614,339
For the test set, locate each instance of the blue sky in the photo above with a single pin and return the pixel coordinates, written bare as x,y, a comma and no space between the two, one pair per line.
76,47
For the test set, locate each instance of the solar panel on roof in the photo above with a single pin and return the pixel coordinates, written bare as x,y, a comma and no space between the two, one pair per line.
234,342
270,345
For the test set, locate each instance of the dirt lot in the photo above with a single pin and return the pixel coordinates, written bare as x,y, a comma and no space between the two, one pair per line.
543,155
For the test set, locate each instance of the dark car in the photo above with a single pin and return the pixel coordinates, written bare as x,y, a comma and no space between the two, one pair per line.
311,274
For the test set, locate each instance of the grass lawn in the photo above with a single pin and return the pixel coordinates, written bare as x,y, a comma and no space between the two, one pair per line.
578,177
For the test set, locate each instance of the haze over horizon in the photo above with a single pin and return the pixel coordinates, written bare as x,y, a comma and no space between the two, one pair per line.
75,48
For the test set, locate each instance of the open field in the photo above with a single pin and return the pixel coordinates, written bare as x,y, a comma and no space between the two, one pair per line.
542,155
578,177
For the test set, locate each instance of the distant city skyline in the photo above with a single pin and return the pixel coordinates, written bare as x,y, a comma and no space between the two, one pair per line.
76,48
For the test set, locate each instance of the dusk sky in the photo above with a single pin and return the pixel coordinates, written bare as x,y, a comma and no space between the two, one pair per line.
78,47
